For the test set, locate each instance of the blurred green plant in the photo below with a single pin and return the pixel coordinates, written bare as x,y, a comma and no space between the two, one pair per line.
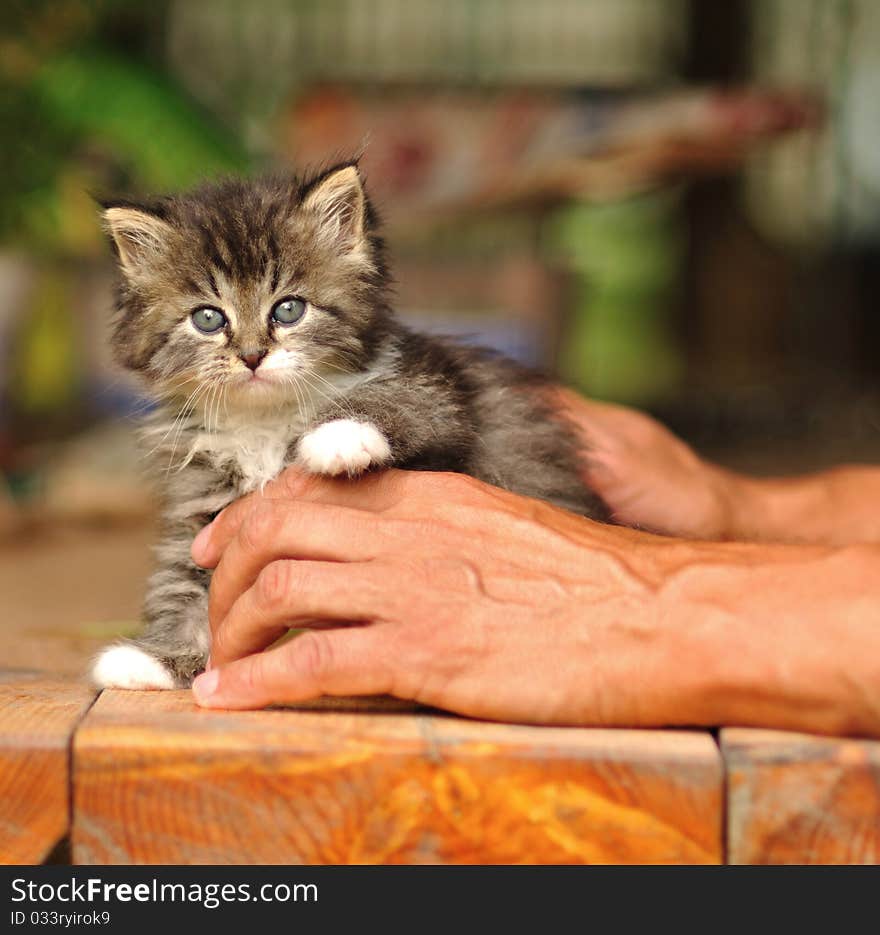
626,257
46,370
86,105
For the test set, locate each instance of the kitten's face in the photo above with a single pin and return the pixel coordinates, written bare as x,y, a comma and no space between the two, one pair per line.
249,294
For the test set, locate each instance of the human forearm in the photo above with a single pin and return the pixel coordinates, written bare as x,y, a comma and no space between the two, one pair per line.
835,507
777,636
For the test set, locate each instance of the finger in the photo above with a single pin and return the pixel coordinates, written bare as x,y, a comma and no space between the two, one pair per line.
281,529
331,662
594,419
290,594
375,492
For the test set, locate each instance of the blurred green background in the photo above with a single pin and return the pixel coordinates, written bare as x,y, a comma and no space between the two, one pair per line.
667,203
692,286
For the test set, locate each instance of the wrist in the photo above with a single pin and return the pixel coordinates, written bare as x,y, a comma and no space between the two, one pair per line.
734,504
776,636
780,509
756,509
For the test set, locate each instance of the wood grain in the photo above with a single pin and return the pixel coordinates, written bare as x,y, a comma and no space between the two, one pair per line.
37,718
800,799
159,781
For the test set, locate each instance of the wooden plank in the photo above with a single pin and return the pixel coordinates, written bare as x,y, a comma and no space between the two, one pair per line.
801,799
156,780
38,715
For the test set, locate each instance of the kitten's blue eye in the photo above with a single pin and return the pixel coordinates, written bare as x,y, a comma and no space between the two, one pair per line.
288,311
208,320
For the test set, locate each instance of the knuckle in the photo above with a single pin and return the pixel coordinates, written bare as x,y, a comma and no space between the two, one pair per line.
274,584
225,522
394,486
314,655
412,663
293,482
219,642
252,676
458,486
466,482
260,526
447,480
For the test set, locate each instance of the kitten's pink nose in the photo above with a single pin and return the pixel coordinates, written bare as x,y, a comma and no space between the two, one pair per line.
252,358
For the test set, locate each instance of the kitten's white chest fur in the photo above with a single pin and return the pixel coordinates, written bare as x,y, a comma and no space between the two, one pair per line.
257,451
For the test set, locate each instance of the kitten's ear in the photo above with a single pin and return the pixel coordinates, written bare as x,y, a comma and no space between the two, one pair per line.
139,236
338,200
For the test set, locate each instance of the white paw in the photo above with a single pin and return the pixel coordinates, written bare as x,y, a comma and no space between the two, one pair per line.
129,667
343,447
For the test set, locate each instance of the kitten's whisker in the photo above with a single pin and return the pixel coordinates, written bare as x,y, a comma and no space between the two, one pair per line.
326,382
301,403
180,416
334,366
135,414
215,389
218,398
208,408
192,404
200,391
338,401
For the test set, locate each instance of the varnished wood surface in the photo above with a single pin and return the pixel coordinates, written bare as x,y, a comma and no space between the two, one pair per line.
155,779
158,781
801,799
38,716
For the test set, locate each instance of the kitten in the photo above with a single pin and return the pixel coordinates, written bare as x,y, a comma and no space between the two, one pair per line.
257,314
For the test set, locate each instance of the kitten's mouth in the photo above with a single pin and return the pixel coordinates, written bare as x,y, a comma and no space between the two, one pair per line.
253,377
256,382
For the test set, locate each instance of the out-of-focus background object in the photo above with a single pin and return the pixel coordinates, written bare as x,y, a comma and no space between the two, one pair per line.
668,203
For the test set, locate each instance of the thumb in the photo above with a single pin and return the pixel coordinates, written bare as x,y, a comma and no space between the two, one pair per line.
351,661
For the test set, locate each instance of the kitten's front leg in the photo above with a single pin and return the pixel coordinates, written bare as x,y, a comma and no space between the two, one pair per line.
419,424
343,446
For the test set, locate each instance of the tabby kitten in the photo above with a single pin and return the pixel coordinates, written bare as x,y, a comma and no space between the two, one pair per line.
257,314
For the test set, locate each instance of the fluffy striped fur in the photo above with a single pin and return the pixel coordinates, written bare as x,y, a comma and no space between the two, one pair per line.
345,389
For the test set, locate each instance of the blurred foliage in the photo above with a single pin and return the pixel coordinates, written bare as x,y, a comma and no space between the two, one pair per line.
46,370
86,104
627,258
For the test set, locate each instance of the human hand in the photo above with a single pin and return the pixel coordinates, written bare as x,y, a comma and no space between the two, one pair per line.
648,477
488,604
465,597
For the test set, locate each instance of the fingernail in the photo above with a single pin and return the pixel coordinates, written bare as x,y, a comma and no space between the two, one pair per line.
201,542
205,685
